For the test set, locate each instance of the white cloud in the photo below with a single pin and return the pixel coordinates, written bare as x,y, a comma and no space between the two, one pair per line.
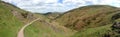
53,5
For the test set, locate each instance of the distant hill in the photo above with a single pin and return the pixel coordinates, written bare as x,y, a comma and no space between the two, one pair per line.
52,15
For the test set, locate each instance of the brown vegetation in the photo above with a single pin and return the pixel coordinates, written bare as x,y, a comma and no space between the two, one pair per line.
88,16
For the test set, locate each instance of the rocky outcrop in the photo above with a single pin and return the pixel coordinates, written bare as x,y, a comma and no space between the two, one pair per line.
24,17
116,27
17,14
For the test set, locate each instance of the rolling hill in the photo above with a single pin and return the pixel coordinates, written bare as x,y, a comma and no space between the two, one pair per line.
88,17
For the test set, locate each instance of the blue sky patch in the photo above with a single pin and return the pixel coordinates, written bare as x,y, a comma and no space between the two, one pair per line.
60,1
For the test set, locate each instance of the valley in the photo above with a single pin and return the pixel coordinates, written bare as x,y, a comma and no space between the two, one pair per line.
86,21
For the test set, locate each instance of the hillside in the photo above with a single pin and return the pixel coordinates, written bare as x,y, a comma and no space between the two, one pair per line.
88,17
109,30
92,21
9,24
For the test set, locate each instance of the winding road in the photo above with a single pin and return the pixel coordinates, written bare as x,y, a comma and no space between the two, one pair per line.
21,31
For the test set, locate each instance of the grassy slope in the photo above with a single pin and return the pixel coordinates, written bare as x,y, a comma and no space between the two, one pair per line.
39,29
88,16
9,25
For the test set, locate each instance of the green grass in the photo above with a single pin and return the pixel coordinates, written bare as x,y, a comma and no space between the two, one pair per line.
9,25
38,29
93,32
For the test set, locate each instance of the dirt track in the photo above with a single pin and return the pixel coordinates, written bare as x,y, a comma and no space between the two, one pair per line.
21,31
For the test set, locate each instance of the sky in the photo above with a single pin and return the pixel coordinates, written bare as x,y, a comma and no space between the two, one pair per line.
44,6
